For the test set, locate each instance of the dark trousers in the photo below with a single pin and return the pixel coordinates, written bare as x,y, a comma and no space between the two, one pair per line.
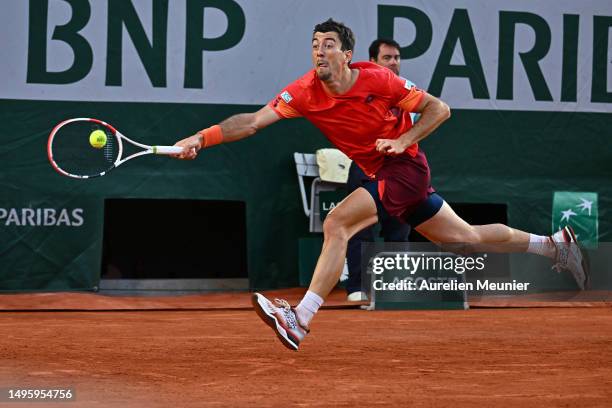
392,230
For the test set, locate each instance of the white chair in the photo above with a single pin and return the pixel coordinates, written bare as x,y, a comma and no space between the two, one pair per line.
306,166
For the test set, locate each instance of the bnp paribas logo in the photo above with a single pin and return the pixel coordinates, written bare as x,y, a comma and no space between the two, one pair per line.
578,210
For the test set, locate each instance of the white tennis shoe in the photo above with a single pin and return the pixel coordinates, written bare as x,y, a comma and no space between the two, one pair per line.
357,297
281,317
570,256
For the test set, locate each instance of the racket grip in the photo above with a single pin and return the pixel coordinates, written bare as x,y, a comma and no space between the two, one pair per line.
167,149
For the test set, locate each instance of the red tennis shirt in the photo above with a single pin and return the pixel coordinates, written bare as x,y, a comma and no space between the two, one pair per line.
354,120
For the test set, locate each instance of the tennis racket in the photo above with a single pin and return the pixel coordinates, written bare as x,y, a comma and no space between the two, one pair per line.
85,148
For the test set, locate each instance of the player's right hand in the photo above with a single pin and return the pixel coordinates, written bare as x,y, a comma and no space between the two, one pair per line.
191,146
390,147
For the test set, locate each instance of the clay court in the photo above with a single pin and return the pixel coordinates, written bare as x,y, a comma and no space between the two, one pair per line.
194,351
126,274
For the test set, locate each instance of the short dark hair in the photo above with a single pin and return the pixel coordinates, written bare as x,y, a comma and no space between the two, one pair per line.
347,38
375,46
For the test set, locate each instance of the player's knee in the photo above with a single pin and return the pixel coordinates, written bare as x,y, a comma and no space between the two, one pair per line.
334,228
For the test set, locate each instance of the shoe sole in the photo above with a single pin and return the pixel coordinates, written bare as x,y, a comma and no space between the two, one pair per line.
585,262
271,321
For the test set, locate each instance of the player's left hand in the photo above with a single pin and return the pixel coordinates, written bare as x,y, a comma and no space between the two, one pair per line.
191,146
390,147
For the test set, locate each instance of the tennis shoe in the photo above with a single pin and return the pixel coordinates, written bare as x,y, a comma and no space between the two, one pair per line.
571,257
282,318
357,297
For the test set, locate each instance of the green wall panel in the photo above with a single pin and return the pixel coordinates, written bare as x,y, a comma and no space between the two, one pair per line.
518,158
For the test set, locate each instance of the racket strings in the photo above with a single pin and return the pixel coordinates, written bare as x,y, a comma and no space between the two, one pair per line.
76,152
109,150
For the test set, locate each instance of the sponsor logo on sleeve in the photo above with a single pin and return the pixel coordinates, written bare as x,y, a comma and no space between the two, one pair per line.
286,96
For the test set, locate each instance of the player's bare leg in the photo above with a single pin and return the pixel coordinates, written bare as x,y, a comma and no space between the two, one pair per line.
447,228
354,213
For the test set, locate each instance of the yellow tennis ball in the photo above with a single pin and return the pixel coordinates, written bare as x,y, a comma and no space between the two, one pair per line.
97,139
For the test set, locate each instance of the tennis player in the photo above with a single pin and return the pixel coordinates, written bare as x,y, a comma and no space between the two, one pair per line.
351,104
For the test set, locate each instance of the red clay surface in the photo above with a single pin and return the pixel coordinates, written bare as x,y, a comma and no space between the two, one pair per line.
240,300
559,357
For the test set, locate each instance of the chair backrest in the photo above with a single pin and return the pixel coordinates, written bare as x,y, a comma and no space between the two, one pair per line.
306,166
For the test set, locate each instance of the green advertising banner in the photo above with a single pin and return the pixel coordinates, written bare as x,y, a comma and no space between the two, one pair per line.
50,242
578,210
530,99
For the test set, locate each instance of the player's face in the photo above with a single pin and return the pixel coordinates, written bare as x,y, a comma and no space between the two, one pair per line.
328,58
388,57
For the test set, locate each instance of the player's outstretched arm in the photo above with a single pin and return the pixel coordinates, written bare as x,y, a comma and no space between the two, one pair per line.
433,112
230,130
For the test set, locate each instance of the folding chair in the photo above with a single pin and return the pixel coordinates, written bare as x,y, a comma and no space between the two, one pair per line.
306,166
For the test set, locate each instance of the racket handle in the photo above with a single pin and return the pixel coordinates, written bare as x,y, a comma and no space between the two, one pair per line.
167,149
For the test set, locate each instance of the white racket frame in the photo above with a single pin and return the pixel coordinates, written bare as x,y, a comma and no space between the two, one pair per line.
163,150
